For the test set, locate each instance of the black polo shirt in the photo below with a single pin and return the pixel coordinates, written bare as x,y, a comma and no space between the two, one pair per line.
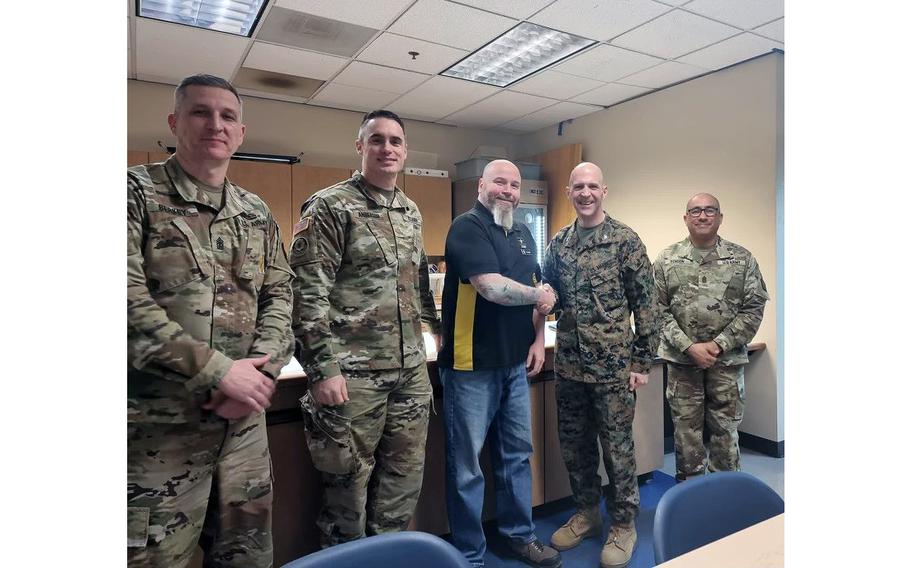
478,334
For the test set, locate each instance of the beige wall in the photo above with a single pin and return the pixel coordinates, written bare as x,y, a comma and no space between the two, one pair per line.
719,134
326,136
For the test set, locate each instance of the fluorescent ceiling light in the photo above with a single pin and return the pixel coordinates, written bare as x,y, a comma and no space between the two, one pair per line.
525,49
231,16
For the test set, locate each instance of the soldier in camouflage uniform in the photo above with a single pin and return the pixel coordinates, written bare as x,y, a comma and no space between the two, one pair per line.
711,298
601,273
361,294
208,315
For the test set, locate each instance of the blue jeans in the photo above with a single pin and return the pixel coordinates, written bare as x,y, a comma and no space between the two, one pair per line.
474,403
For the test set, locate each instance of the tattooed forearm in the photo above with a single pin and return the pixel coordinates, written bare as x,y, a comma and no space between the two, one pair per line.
498,289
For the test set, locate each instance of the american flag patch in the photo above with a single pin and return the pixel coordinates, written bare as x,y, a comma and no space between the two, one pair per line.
302,225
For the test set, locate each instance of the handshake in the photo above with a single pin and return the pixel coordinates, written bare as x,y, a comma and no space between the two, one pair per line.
546,299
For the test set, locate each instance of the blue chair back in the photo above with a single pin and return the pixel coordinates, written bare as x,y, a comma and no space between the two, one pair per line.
708,508
408,549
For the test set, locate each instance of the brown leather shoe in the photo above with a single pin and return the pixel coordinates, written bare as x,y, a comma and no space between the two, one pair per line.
619,547
583,524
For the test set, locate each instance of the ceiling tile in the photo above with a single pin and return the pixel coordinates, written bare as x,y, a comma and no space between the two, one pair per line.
169,52
451,24
610,94
371,76
290,61
511,8
744,14
774,30
440,96
730,51
555,85
376,15
392,50
598,19
550,115
279,83
353,98
674,2
675,34
606,63
501,107
663,75
307,31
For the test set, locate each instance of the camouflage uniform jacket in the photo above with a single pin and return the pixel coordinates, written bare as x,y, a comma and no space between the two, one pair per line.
599,285
361,287
722,298
204,288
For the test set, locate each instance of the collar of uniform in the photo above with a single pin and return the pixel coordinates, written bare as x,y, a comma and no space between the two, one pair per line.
190,192
600,235
398,201
720,249
723,251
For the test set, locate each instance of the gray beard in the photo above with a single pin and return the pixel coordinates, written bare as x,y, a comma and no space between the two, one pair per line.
503,216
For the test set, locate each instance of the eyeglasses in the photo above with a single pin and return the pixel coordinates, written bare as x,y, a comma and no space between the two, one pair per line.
708,211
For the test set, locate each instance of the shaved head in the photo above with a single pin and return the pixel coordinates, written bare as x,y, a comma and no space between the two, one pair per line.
700,198
496,166
586,169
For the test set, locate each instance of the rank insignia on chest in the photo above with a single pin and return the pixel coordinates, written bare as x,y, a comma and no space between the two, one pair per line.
219,243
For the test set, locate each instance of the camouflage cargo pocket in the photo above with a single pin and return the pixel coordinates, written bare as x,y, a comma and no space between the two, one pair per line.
137,526
328,437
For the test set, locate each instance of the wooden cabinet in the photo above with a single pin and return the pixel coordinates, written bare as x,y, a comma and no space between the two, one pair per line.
433,197
136,158
555,166
307,180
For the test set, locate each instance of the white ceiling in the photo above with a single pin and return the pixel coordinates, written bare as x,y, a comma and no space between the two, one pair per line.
642,45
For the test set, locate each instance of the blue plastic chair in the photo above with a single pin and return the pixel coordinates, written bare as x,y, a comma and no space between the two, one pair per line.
708,508
408,549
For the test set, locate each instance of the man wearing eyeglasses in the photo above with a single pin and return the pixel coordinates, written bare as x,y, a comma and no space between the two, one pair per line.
711,298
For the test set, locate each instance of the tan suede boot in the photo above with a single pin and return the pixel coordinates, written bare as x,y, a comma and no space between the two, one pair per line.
583,524
620,545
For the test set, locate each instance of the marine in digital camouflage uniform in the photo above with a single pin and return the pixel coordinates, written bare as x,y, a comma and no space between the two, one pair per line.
361,299
600,270
208,298
711,298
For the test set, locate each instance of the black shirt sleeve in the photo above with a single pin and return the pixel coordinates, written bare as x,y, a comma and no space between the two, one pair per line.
470,250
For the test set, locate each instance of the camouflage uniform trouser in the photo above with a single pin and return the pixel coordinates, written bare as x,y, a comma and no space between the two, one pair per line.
370,451
206,483
586,412
712,398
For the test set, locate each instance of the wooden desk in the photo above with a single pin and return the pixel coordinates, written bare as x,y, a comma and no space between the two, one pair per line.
759,546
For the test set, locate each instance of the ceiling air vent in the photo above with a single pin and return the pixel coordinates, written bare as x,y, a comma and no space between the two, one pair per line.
306,31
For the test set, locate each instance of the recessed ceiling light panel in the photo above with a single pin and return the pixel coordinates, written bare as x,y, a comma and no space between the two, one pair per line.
230,16
521,51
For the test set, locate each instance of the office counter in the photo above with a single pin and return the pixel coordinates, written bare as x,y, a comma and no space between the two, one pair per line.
298,489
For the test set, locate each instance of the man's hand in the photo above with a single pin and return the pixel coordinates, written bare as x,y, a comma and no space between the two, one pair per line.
536,357
637,379
244,383
546,300
330,392
703,354
226,407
